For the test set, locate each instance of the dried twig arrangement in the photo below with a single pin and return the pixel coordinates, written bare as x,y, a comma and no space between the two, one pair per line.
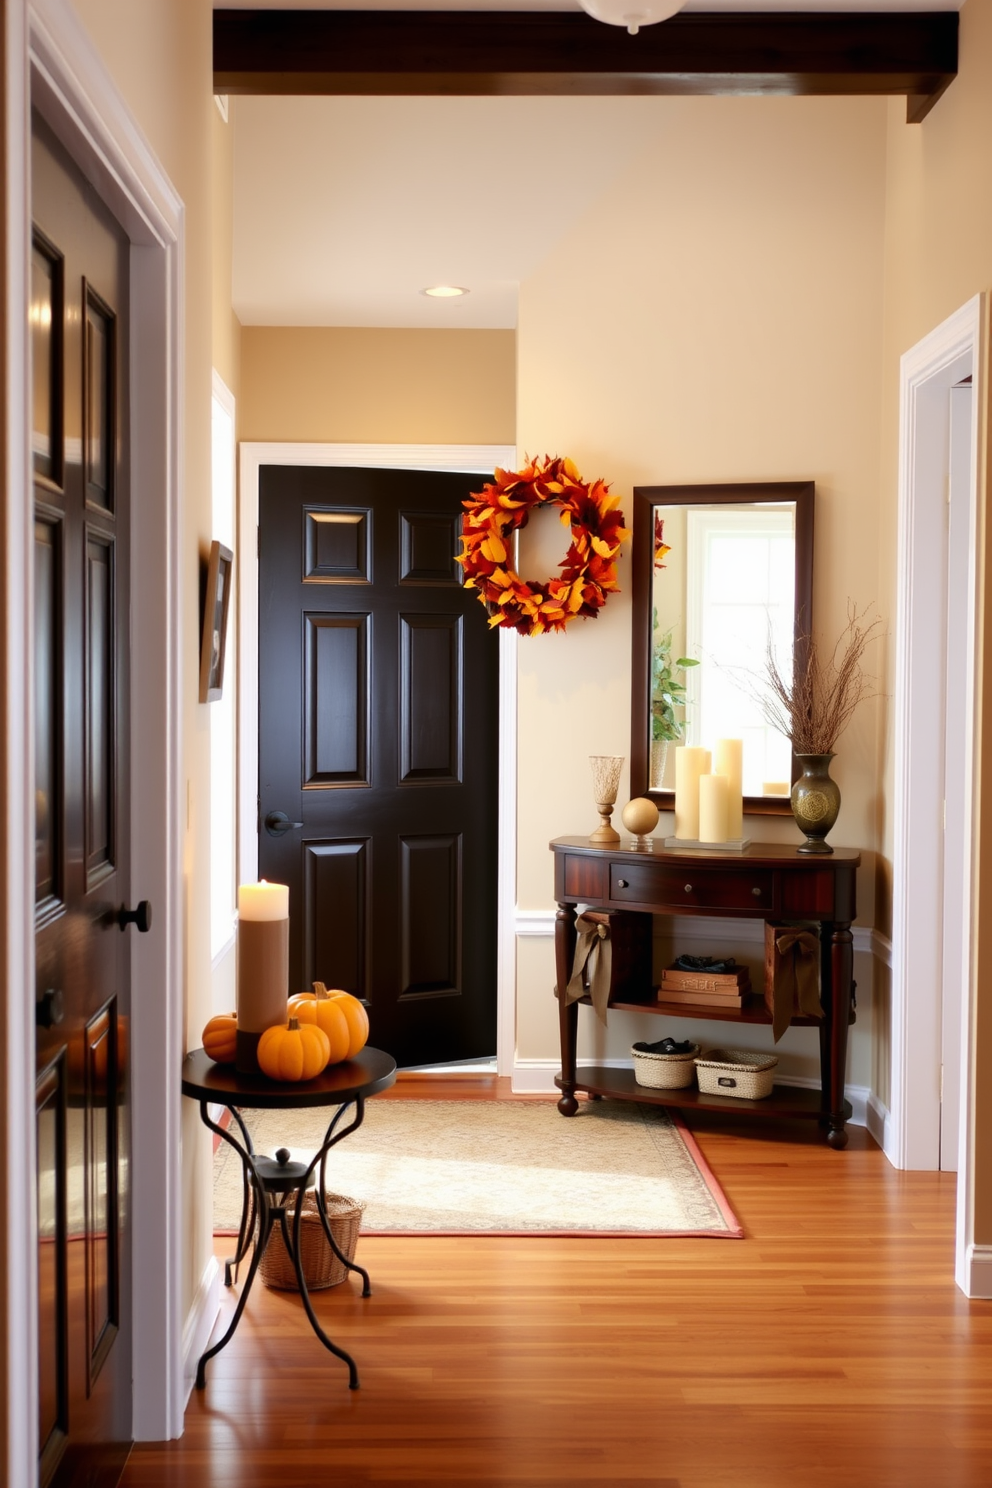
814,706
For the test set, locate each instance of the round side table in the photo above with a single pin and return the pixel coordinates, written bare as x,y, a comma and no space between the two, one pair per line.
268,1183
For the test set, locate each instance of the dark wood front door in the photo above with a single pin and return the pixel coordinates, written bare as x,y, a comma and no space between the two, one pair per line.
79,328
378,736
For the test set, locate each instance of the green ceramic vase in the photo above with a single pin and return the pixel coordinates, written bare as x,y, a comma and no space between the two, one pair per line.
815,801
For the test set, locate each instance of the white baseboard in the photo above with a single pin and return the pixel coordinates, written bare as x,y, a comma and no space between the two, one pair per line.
879,1124
537,1077
975,1275
199,1324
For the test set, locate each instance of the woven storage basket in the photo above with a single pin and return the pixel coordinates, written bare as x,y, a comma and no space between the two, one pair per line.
664,1071
321,1267
737,1073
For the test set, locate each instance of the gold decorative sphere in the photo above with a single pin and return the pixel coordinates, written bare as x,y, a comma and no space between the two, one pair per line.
640,816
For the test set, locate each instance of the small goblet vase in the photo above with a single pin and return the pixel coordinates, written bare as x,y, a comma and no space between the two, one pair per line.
605,784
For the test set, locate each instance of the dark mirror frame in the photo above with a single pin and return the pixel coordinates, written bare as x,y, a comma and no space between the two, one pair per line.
646,498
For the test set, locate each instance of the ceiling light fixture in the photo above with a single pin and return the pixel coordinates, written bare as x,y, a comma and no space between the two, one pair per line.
444,291
631,13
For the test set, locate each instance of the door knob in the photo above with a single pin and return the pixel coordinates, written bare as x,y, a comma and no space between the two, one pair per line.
140,917
278,822
49,1009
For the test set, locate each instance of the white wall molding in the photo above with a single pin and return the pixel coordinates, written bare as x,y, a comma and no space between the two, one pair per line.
879,1123
200,1323
79,100
974,1274
482,458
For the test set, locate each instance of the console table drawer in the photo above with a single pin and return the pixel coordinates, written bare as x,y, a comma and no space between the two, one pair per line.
692,886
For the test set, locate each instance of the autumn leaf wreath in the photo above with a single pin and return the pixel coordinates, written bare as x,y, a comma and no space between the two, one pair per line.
588,570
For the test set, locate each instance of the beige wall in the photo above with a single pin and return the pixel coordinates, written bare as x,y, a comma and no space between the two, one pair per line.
225,326
159,53
938,255
374,386
723,313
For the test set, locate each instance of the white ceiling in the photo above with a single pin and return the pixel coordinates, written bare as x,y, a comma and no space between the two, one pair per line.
347,208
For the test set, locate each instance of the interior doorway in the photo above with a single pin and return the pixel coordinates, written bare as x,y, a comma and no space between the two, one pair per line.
934,757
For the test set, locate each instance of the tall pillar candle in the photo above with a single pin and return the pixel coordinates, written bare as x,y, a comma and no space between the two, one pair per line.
690,763
263,967
713,808
728,760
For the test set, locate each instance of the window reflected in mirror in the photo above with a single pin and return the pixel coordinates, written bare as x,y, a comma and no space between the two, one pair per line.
723,595
722,579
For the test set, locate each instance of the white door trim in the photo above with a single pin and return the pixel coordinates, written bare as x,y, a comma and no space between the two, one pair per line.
75,93
921,840
483,458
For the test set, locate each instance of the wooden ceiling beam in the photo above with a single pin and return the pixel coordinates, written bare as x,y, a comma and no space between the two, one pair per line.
559,52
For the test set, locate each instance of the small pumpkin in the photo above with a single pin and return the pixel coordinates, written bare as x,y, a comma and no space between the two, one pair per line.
220,1038
293,1051
353,1010
324,1012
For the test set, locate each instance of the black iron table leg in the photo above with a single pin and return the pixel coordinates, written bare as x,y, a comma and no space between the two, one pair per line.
263,1209
322,1191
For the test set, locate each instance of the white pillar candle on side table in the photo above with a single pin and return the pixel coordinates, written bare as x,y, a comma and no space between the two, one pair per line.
713,808
728,760
263,966
690,763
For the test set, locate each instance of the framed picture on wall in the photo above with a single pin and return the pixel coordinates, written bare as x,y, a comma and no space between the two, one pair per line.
217,602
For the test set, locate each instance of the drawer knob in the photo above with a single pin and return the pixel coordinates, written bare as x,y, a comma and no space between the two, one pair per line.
688,888
757,893
622,883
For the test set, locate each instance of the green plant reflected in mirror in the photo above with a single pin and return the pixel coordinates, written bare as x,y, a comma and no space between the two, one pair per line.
720,572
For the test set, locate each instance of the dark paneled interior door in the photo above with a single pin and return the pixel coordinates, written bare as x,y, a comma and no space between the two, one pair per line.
378,680
78,309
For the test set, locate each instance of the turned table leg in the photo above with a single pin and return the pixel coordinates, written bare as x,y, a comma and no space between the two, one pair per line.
568,1012
837,981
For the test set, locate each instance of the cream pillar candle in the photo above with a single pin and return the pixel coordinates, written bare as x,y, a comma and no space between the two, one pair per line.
263,966
775,788
714,801
690,763
728,760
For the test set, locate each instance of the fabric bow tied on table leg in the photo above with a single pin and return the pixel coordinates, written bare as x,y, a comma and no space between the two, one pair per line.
797,978
592,966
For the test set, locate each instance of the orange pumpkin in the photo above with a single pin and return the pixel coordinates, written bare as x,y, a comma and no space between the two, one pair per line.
220,1038
324,1012
354,1013
291,1052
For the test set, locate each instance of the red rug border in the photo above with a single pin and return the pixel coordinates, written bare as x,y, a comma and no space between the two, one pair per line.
734,1230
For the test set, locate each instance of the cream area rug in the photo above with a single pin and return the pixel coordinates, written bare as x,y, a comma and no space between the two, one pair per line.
501,1167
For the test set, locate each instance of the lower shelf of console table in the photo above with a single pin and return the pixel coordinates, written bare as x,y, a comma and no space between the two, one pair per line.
789,1101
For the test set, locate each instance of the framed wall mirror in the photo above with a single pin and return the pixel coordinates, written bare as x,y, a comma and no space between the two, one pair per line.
720,573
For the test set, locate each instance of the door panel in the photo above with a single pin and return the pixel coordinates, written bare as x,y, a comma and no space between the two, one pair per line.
336,700
431,698
79,318
378,682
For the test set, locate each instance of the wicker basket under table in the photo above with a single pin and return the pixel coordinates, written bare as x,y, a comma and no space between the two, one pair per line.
321,1267
736,1073
664,1071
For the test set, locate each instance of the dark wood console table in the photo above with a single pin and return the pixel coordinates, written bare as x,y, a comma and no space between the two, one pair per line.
765,882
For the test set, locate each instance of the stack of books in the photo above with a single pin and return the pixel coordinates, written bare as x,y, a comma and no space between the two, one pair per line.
726,989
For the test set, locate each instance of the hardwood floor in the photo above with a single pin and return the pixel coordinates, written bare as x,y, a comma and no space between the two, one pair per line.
830,1349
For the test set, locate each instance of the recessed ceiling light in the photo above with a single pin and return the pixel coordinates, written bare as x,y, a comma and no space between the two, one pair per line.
444,291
